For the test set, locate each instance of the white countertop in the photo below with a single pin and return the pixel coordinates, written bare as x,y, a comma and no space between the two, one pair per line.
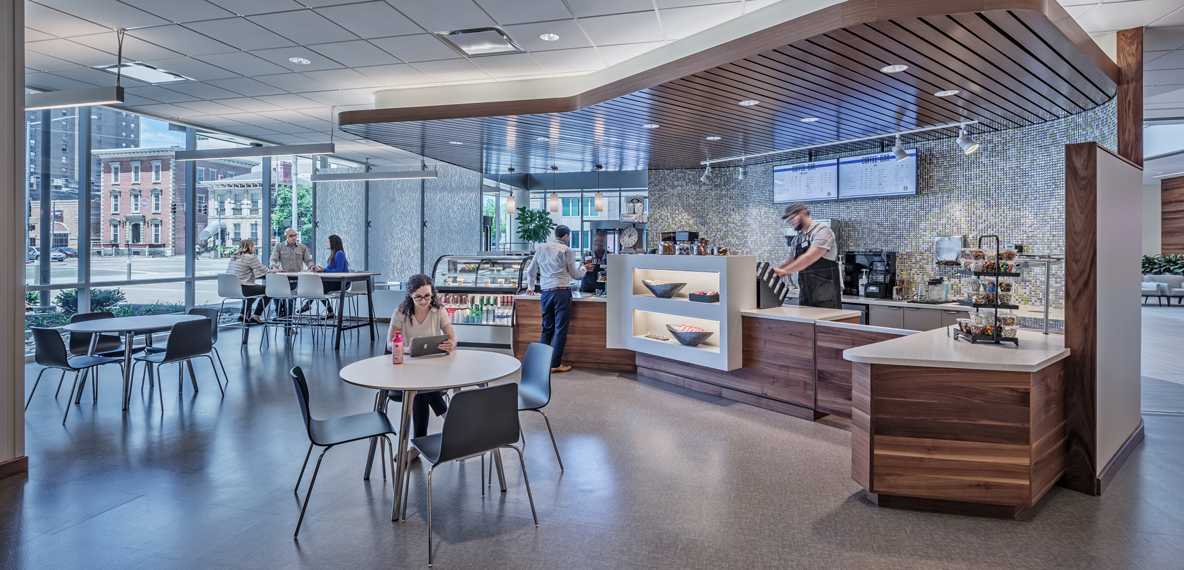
1027,311
938,349
575,296
801,314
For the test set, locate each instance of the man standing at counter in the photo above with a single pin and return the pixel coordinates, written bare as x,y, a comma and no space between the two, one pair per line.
814,257
556,265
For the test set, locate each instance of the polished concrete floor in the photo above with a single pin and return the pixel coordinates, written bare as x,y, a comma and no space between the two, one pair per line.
657,477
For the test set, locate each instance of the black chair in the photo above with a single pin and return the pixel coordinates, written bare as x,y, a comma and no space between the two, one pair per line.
328,433
478,421
187,340
107,345
213,315
50,353
534,391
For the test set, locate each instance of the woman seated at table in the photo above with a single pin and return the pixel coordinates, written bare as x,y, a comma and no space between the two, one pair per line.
247,267
421,315
337,264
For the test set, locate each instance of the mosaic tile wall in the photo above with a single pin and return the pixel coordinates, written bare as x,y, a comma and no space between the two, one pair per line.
1013,186
338,212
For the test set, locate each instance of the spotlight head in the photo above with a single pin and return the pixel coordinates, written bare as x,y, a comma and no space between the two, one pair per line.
899,151
968,145
740,173
706,172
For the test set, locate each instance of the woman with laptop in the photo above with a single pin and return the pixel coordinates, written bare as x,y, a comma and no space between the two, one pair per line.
420,316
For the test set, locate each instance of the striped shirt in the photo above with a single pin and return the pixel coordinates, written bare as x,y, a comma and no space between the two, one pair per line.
246,268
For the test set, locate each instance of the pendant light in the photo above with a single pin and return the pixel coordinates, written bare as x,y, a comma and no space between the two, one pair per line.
599,202
510,209
899,151
554,194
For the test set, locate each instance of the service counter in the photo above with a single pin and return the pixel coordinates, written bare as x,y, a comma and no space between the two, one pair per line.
585,337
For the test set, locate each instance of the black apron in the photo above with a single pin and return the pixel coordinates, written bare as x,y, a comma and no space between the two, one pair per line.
819,282
589,283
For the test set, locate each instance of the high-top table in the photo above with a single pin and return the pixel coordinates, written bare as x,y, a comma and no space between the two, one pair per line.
129,327
460,369
345,279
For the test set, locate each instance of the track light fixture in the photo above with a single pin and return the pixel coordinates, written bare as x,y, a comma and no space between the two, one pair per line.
968,144
705,174
899,152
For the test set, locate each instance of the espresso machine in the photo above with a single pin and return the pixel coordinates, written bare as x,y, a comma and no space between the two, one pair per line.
881,271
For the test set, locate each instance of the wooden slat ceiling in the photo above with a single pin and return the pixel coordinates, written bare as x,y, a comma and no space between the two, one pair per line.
1014,68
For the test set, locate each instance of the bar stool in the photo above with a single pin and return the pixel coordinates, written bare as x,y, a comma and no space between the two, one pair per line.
279,287
229,288
310,288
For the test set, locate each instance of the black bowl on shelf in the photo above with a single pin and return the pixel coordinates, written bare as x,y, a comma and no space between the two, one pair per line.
689,338
663,290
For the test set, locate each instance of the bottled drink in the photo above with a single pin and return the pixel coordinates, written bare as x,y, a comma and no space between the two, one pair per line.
397,348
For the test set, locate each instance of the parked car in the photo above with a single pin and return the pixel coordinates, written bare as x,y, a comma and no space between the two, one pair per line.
33,254
55,255
69,251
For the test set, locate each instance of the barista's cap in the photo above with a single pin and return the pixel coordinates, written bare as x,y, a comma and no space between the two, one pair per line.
794,208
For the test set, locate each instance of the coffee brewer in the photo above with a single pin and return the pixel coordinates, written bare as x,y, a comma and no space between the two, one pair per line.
881,269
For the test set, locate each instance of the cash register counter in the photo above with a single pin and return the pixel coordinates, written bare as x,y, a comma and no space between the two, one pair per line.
585,336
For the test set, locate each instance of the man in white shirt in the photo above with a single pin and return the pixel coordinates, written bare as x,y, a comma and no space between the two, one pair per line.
556,265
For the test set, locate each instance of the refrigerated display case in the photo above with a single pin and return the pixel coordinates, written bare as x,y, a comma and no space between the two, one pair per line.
478,292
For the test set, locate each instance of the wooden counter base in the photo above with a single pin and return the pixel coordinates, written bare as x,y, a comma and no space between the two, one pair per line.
586,348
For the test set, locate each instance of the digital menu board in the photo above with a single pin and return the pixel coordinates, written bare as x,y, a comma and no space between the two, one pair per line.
877,175
806,181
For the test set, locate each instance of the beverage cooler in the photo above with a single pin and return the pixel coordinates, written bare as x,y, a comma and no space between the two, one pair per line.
478,292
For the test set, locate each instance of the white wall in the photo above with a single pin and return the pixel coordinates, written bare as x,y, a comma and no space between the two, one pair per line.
1152,226
12,289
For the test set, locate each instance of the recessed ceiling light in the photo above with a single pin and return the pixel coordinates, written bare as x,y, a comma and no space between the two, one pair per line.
947,93
749,103
809,119
549,37
144,72
650,125
712,138
542,138
455,142
299,60
894,68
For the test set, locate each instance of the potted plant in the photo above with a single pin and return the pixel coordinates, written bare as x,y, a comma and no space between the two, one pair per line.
534,226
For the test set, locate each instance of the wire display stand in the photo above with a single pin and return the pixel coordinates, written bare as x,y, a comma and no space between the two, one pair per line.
996,335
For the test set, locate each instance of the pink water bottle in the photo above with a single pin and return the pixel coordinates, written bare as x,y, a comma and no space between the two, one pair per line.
397,348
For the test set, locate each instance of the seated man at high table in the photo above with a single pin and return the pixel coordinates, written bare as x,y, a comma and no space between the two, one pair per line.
289,257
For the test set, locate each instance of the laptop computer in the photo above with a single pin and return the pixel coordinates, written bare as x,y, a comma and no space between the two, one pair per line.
427,345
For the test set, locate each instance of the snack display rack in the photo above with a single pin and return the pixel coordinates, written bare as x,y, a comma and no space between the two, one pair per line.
996,335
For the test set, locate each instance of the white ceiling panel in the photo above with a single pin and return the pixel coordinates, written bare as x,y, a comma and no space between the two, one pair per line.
507,12
395,75
70,51
1173,60
134,49
42,62
569,32
282,57
203,90
255,131
285,116
1164,77
250,104
53,82
682,22
246,86
110,13
32,35
165,110
132,100
371,20
616,54
208,107
344,98
357,53
289,101
1108,17
585,8
623,28
252,7
413,49
240,33
181,40
451,70
343,79
663,4
163,95
322,3
181,10
511,65
1173,19
751,6
243,63
1157,39
96,77
294,82
443,15
252,119
58,24
192,68
289,139
570,60
304,27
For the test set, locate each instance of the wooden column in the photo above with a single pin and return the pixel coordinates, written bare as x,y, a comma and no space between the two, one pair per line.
1172,215
12,203
1130,95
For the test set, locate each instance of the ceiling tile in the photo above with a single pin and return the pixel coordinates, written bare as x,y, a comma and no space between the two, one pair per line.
1158,39
249,104
751,6
1164,77
570,60
130,100
345,97
243,63
284,116
663,4
165,110
585,8
623,28
355,54
254,131
252,119
96,77
511,65
134,49
343,79
1122,15
444,15
569,32
161,94
507,12
42,62
252,7
371,20
289,101
32,35
294,82
207,107
203,90
1173,60
110,13
1076,12
395,75
192,68
57,23
281,57
451,70
322,3
682,22
70,51
240,33
181,40
1174,19
412,49
246,86
304,27
53,82
181,10
616,54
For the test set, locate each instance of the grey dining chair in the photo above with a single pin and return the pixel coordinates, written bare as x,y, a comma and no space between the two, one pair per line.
214,316
534,391
187,340
50,353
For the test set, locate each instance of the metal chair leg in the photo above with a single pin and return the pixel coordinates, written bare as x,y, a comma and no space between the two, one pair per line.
212,365
296,534
82,387
159,389
482,478
430,556
70,401
223,366
94,383
553,444
60,380
522,462
296,491
35,387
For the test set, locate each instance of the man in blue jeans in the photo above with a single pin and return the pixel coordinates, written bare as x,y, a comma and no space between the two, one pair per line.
557,267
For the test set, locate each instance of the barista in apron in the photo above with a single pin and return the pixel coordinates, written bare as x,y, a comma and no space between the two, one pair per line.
591,282
814,257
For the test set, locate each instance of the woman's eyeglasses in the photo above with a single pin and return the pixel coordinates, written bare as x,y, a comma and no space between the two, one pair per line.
422,298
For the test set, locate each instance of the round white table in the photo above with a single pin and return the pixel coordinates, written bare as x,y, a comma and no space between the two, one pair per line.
460,369
129,327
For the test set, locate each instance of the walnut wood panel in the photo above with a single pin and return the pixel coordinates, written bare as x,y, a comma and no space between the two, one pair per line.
1017,62
586,345
1172,214
17,466
1081,301
974,472
955,507
715,390
1048,428
1130,95
862,448
832,387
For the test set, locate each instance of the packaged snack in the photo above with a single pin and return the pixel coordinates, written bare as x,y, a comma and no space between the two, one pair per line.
988,286
1007,254
977,298
1007,319
978,318
976,285
1010,332
1005,298
989,298
1005,286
